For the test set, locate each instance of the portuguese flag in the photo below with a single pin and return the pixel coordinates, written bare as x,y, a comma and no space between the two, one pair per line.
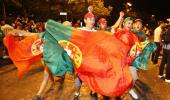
20,52
100,58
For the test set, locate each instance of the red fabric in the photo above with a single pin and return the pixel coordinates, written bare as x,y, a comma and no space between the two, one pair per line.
20,52
103,67
129,39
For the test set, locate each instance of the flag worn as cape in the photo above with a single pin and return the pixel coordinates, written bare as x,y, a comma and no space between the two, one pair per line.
142,60
102,66
20,52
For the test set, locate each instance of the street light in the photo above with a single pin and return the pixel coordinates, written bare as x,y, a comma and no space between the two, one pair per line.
129,4
152,15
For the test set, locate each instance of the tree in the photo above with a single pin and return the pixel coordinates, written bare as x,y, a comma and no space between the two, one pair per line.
44,9
77,8
99,8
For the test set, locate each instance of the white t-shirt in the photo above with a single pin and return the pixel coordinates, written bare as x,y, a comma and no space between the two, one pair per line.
157,34
85,29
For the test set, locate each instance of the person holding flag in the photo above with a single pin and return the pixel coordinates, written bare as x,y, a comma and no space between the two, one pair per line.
94,49
146,47
103,25
129,39
99,61
48,75
89,19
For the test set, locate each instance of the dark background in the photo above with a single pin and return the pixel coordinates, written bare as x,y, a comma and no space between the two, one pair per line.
145,8
159,8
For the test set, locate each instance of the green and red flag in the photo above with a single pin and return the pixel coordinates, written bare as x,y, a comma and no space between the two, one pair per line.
21,52
100,58
100,61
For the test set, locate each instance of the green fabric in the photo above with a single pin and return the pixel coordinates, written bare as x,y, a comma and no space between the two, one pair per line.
127,19
59,31
142,35
54,55
142,60
41,35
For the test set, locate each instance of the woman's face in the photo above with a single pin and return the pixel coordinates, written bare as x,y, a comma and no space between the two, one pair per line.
138,26
128,25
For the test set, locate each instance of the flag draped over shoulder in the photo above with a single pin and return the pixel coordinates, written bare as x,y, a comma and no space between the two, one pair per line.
20,52
102,68
142,60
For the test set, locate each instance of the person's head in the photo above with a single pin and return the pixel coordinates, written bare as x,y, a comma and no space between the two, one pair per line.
161,24
19,26
67,23
168,19
2,22
137,25
103,23
127,23
89,20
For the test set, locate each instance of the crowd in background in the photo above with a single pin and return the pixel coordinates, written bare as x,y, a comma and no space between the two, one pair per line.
30,25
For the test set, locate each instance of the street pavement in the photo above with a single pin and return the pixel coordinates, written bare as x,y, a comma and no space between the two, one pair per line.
149,87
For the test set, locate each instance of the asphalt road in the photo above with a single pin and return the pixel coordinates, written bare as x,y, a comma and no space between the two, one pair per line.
150,87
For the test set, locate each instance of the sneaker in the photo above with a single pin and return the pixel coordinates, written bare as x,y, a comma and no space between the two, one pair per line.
5,57
167,80
37,97
133,94
76,97
161,76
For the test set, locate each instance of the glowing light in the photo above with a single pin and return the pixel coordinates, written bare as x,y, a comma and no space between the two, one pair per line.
129,4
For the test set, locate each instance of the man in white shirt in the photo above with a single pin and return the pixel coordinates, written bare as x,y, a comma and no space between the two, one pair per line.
89,20
157,39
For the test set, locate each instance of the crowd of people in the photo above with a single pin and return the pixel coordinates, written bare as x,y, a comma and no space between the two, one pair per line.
127,30
161,39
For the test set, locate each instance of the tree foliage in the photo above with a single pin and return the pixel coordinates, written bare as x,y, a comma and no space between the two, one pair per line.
52,8
100,9
82,5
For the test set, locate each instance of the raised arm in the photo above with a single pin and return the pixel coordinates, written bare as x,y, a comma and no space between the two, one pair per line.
119,21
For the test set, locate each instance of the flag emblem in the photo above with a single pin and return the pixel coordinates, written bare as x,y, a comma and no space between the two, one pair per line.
37,47
73,51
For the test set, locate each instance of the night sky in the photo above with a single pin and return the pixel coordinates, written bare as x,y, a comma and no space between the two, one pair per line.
159,8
